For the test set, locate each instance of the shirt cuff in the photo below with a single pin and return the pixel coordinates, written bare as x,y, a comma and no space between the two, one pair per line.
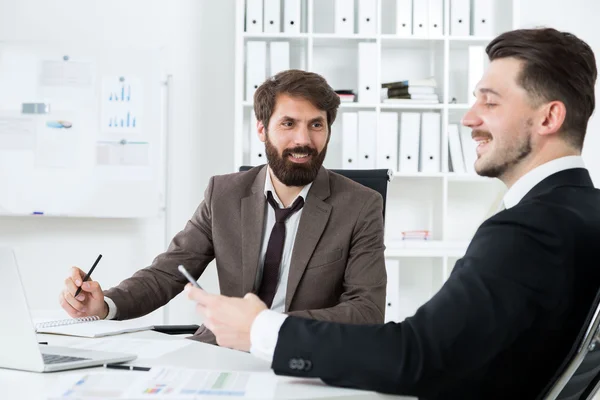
112,308
264,333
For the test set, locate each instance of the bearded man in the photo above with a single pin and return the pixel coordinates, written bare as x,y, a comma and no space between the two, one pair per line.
307,241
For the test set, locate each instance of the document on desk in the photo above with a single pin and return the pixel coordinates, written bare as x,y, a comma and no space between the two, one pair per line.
168,383
144,348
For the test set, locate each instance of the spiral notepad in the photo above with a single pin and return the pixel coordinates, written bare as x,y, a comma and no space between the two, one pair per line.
90,327
63,322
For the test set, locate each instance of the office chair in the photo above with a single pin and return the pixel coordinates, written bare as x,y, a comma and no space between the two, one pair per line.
376,179
579,376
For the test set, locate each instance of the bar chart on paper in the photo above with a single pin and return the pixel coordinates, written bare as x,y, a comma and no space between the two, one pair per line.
122,104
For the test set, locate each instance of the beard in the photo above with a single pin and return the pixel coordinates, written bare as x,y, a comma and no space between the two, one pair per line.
293,174
506,158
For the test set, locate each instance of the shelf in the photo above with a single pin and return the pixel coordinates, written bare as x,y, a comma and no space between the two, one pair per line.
280,35
408,42
420,106
335,36
424,248
357,105
466,41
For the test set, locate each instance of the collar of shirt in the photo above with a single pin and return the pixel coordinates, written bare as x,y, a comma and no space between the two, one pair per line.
269,187
525,183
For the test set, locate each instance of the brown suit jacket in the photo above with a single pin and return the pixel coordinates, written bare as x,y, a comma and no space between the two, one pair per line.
337,272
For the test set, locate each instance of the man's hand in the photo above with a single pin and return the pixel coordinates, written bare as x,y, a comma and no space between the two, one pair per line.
90,300
229,318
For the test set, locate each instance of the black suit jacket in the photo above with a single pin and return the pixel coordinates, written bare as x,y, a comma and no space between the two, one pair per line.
498,328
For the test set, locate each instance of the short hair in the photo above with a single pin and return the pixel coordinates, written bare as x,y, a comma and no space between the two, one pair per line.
296,83
556,66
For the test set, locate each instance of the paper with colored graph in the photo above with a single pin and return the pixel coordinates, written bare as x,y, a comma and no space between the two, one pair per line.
169,383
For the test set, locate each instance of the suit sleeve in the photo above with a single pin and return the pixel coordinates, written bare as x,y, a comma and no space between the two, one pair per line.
154,286
363,298
510,271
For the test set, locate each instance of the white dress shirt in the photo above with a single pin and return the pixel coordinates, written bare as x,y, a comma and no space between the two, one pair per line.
291,228
265,328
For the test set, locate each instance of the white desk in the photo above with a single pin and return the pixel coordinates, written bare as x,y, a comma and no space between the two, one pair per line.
36,386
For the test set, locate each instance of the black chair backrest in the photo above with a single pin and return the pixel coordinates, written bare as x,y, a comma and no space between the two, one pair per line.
376,179
579,375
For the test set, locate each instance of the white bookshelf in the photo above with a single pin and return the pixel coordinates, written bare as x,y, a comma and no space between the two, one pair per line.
450,205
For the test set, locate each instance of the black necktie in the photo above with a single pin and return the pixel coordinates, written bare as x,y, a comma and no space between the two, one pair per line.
270,277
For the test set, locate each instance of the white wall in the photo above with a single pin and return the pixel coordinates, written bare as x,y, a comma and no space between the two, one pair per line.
201,63
580,18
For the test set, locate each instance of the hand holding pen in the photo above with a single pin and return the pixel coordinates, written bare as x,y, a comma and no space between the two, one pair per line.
82,296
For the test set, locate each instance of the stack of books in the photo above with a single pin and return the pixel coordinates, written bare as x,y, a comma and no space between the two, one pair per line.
410,91
346,96
416,235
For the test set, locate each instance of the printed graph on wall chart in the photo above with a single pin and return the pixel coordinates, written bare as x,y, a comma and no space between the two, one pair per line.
122,105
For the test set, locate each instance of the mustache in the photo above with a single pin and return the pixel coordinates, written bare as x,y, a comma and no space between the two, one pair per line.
300,149
480,133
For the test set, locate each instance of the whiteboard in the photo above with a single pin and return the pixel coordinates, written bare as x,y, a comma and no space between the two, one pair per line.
95,150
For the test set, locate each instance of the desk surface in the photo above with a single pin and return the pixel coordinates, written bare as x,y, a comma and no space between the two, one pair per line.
37,386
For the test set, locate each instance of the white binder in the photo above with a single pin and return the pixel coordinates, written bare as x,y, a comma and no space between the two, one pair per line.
272,16
254,16
455,150
280,57
477,63
404,14
292,11
420,18
349,140
367,73
367,17
256,67
430,142
257,148
469,149
483,17
410,132
387,141
367,139
344,17
460,17
436,18
392,296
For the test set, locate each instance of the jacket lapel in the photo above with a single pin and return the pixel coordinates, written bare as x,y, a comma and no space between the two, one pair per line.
253,216
313,221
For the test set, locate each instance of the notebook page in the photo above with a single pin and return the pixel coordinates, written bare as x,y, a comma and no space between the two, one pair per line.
97,328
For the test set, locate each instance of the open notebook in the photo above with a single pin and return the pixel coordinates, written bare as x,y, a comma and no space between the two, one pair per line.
90,327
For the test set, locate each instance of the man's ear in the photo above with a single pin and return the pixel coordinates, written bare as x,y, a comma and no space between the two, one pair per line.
552,118
262,131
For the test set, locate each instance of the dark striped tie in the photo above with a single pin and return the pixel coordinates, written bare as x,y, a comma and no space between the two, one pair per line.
270,277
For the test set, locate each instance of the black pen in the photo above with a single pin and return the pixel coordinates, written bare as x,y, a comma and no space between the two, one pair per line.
87,276
126,367
42,342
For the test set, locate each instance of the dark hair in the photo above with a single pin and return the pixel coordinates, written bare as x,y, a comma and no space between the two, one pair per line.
557,66
296,83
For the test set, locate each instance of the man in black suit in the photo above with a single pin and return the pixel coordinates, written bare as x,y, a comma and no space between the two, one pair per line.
504,321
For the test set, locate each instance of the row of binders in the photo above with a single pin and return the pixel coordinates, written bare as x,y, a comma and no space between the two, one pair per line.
264,60
424,18
415,149
408,142
267,16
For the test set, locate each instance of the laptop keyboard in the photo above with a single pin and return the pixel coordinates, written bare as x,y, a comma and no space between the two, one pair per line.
57,359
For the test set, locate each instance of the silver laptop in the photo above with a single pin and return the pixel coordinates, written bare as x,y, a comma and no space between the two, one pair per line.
19,348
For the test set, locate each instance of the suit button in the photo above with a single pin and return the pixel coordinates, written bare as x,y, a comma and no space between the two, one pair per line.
307,365
293,363
300,364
